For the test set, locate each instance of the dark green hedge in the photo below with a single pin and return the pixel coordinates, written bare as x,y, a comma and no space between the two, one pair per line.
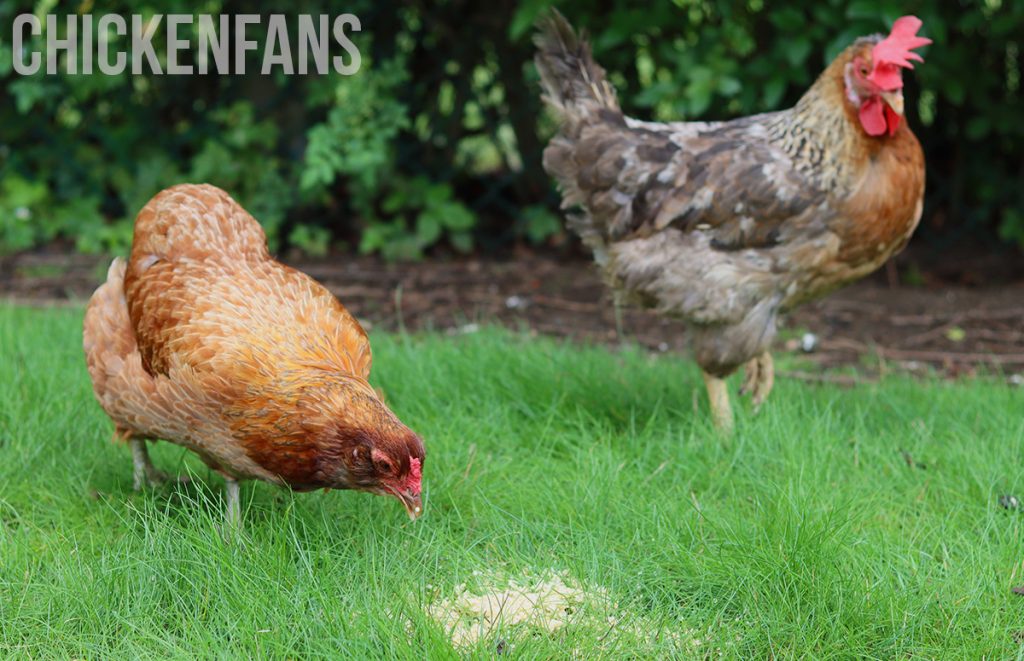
437,141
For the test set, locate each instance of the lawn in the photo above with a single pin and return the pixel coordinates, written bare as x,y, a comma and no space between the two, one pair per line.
837,523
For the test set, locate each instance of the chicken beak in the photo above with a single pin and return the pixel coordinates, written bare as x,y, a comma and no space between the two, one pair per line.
413,504
894,100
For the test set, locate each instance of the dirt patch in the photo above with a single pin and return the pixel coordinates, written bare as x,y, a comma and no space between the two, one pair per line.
543,603
501,609
954,328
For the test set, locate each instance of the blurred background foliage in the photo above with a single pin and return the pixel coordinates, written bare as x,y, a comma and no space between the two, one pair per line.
434,147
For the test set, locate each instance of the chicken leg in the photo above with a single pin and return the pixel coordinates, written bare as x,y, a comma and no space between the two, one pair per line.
233,515
759,379
718,396
144,473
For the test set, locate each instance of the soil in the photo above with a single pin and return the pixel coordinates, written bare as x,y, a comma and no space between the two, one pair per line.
874,325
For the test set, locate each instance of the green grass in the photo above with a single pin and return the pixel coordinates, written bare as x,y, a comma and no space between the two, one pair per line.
807,534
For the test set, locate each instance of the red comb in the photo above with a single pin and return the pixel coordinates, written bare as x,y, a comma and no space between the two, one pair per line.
895,51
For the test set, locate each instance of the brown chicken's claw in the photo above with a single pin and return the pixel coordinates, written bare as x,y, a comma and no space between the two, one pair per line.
759,379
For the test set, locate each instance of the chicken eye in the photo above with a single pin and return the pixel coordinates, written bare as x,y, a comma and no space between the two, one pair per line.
864,71
384,466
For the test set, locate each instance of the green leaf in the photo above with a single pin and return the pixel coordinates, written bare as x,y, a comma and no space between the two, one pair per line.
867,9
462,241
797,50
525,17
788,19
954,90
540,223
978,127
428,228
729,86
456,216
773,91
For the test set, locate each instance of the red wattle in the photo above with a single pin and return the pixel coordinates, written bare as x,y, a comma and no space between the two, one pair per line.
872,116
892,120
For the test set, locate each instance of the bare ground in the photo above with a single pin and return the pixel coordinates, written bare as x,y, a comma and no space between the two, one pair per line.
956,329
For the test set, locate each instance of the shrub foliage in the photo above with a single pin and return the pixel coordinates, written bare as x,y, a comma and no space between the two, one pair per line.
437,141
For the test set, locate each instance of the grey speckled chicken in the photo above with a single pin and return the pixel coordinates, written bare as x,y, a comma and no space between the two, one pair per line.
727,225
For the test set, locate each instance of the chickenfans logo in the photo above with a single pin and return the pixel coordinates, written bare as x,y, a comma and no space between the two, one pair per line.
203,44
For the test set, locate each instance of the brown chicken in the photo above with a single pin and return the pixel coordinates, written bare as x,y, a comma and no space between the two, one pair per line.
727,225
204,340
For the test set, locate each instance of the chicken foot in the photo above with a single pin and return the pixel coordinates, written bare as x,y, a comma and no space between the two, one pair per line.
759,379
718,396
147,475
144,473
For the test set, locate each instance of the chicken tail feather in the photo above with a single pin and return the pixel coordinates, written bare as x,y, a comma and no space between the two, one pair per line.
577,88
120,384
107,336
574,84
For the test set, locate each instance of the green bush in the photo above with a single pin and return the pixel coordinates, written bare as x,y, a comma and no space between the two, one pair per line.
722,59
436,143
